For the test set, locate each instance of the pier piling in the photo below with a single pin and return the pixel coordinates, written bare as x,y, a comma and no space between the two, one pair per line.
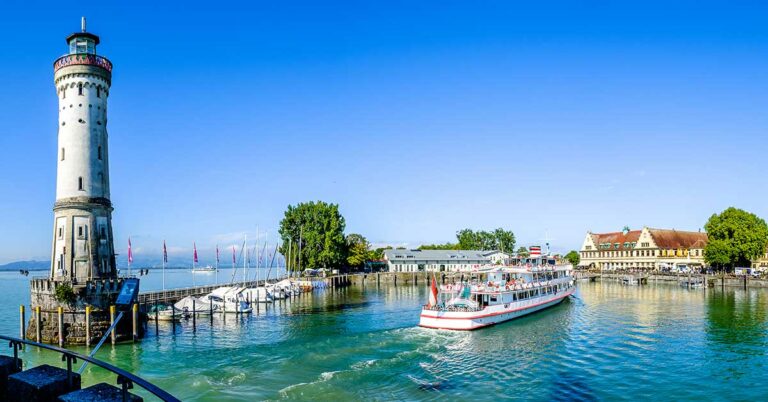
135,322
194,315
87,326
22,323
157,325
38,324
111,323
61,326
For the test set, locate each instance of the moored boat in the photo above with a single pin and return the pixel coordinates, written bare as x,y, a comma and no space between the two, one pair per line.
508,293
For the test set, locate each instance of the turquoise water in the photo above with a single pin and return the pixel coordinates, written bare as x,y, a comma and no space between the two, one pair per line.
608,342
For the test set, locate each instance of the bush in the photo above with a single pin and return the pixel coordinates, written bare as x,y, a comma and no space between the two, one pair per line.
65,294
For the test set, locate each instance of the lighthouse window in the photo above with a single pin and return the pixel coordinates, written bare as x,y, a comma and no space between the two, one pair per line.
99,152
63,94
62,154
80,183
80,231
79,89
61,233
98,92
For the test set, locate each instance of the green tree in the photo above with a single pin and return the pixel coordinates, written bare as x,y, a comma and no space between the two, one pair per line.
573,257
499,239
358,250
320,227
446,246
378,254
523,252
735,238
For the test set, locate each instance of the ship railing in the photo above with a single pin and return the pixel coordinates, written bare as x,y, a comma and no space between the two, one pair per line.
125,379
458,309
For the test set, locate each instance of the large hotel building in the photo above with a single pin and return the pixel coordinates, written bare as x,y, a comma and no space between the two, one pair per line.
649,249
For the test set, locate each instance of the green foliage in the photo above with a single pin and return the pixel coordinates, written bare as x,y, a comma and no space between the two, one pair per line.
446,246
523,252
499,239
357,250
321,229
573,257
378,254
735,238
64,293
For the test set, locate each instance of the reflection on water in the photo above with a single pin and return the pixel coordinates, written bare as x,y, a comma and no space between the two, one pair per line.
607,342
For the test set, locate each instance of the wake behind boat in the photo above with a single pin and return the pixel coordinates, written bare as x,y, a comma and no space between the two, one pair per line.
509,292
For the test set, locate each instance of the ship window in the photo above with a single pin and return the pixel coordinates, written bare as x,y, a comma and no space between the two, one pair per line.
80,183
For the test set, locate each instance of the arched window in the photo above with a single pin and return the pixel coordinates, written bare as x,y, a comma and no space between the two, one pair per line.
80,183
80,89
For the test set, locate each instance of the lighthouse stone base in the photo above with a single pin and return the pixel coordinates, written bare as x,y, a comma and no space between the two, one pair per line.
99,294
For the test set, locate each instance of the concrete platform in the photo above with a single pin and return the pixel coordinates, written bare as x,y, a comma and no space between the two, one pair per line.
102,392
8,366
40,384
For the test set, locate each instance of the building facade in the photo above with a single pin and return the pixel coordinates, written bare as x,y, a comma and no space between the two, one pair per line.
400,260
82,246
646,249
761,263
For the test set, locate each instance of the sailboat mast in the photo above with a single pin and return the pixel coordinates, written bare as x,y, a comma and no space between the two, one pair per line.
245,259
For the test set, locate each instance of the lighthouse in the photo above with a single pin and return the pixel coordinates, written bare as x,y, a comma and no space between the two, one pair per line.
82,247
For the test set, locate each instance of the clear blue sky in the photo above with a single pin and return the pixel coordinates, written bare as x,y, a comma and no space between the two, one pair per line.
418,118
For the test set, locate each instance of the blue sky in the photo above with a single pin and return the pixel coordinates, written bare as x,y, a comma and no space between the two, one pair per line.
418,118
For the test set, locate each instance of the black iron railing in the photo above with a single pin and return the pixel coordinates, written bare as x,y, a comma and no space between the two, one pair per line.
125,379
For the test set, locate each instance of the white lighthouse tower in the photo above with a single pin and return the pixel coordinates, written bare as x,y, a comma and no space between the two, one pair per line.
82,240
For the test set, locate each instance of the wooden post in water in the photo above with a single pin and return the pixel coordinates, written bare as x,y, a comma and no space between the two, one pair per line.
211,306
61,326
173,318
87,326
22,323
112,322
194,315
38,323
157,325
135,319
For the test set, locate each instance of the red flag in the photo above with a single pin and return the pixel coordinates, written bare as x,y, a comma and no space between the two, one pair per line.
130,252
217,254
165,253
233,256
433,293
195,247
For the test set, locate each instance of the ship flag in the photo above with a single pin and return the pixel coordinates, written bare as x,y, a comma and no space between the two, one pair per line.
194,246
130,252
433,293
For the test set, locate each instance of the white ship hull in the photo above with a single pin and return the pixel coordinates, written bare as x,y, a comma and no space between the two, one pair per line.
490,315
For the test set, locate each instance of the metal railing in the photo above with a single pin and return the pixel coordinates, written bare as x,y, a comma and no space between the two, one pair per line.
125,379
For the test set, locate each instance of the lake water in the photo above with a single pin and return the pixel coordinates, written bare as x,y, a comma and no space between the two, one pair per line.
608,342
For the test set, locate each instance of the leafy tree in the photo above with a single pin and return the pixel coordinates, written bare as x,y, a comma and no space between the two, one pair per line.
523,252
735,237
357,250
573,257
378,254
65,294
499,239
446,246
320,227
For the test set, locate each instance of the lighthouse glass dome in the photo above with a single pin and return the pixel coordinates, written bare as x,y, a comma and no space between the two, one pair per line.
82,44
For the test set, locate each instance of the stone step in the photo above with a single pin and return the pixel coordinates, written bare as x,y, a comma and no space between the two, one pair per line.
8,366
42,383
102,392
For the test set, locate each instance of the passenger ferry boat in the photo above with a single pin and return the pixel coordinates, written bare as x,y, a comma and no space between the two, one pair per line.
509,292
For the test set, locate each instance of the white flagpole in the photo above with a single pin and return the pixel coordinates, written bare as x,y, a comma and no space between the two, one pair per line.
164,254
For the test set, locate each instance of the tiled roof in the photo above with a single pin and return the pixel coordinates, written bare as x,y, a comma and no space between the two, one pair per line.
665,238
616,237
432,255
